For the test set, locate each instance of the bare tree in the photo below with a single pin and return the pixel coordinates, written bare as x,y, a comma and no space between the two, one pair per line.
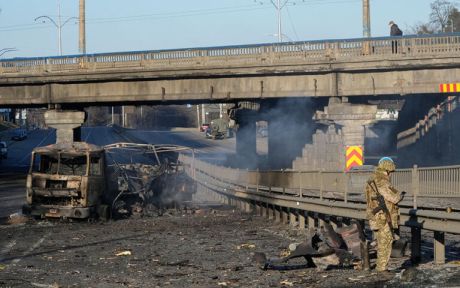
441,11
423,28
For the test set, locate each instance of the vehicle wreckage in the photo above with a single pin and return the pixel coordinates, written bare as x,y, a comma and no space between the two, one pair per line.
81,180
327,248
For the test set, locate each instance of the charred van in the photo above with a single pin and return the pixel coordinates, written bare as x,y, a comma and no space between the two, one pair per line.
66,180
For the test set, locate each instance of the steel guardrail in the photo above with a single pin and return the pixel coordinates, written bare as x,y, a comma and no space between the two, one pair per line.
286,188
270,53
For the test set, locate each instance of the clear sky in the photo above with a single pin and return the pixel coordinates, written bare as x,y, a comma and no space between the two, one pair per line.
127,25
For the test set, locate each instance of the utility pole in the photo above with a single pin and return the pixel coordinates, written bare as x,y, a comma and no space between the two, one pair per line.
82,22
366,19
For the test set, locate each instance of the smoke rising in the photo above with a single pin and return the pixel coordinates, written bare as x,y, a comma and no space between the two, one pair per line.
290,127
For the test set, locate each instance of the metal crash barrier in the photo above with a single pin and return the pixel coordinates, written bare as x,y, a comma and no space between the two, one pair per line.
300,197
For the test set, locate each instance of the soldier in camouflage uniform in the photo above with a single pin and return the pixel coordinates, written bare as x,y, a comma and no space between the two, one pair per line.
380,183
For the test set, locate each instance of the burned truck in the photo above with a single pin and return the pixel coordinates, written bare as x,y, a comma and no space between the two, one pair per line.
81,180
66,180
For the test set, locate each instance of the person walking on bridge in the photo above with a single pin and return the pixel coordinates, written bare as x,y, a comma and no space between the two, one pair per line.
382,210
394,31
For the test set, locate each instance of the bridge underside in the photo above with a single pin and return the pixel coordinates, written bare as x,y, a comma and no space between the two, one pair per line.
223,89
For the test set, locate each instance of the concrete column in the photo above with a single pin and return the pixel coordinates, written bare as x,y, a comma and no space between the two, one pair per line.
284,216
247,207
351,117
263,211
271,211
277,214
353,132
333,221
311,220
292,218
277,154
66,123
246,146
258,209
321,220
301,220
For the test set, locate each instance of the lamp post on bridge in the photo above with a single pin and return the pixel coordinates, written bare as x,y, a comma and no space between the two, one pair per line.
279,5
58,25
6,50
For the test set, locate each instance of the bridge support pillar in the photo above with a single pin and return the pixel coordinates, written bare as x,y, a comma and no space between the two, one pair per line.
246,146
352,118
66,123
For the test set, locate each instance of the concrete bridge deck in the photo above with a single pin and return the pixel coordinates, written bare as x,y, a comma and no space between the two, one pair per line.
350,67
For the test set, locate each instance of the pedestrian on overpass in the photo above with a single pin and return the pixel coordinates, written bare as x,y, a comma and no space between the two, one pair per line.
394,31
382,210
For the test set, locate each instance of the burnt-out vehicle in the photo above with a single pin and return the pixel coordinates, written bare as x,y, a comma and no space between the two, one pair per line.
81,180
66,180
147,179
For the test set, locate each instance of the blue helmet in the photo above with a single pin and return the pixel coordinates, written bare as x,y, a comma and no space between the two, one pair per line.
387,164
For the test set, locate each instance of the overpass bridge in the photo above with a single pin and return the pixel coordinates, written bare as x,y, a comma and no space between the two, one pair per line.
337,68
331,69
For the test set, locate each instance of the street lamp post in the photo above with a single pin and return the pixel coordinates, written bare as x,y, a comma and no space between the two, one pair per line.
279,5
6,50
58,25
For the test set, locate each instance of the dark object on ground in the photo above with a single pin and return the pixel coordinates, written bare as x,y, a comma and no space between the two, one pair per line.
19,134
324,250
399,248
409,274
3,150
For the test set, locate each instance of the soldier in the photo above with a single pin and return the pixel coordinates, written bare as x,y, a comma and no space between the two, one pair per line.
382,210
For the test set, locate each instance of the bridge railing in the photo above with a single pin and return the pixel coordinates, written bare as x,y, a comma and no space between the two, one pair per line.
435,182
307,51
423,126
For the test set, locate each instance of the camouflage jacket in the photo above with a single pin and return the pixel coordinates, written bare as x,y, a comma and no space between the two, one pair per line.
391,196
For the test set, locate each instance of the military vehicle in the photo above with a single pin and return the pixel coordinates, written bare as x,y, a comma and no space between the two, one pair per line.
219,129
81,180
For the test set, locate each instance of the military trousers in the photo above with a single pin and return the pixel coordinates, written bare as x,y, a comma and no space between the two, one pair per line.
384,246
